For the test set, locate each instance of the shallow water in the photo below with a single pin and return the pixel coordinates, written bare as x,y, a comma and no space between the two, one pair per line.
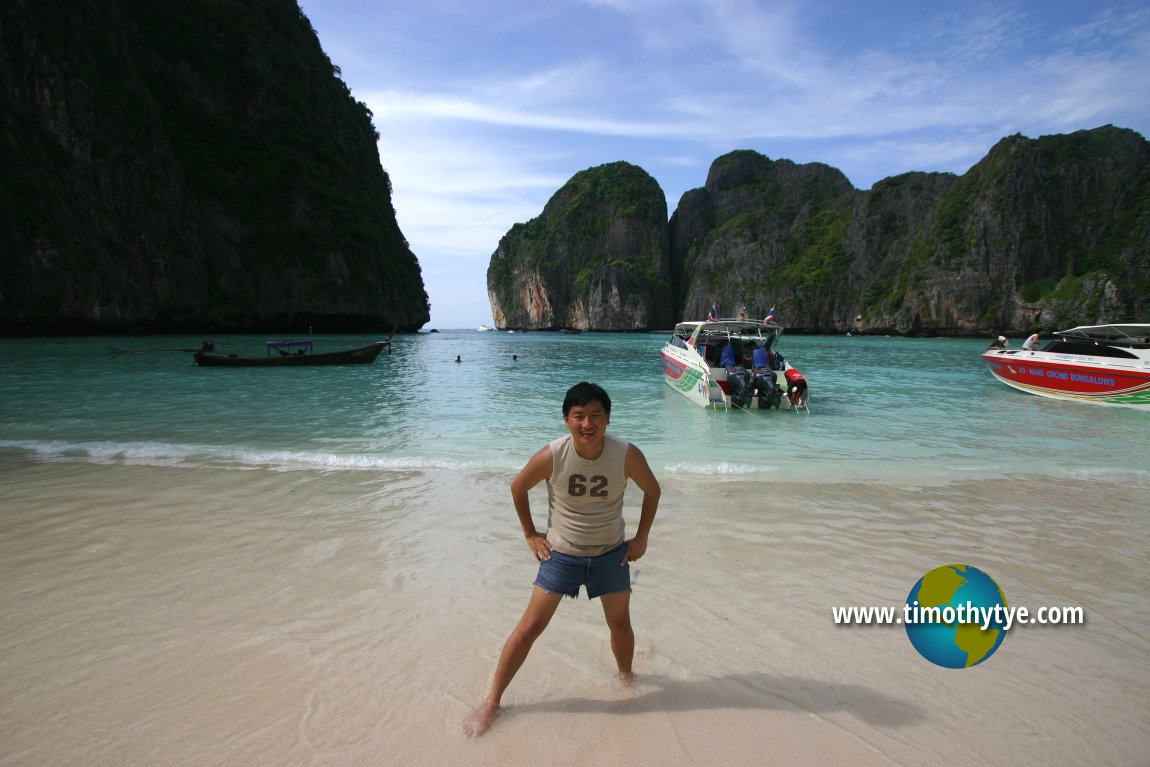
905,410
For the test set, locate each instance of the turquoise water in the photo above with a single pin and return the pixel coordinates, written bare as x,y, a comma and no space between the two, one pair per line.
914,410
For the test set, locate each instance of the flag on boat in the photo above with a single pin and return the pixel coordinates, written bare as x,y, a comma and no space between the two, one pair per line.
713,314
770,315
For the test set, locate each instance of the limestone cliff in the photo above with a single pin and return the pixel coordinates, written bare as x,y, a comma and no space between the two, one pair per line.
1047,232
1044,232
187,166
596,258
759,233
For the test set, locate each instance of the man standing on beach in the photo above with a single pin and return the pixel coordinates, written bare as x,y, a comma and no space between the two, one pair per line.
586,473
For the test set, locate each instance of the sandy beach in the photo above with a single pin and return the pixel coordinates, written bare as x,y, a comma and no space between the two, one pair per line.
171,616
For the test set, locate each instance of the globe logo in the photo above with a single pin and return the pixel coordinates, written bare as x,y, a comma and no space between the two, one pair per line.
955,616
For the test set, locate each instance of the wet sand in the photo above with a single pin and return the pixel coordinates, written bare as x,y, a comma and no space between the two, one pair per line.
169,616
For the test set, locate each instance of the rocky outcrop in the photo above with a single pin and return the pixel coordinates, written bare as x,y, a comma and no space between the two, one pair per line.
186,167
744,239
1042,233
595,259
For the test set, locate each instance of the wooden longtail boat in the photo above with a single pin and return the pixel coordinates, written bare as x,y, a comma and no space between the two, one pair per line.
294,353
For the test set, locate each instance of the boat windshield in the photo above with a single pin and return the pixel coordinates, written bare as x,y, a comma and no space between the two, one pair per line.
1136,336
1087,348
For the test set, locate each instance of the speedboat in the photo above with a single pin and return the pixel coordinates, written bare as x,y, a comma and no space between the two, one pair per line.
1102,364
483,329
732,363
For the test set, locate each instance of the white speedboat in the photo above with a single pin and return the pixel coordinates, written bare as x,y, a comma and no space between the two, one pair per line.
1101,364
483,329
732,363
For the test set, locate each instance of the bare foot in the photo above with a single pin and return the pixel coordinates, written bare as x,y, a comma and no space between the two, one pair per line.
480,719
627,678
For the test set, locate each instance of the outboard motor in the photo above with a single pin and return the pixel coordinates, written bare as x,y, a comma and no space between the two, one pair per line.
770,393
739,382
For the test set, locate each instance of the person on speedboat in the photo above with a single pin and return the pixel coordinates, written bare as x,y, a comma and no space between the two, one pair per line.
727,357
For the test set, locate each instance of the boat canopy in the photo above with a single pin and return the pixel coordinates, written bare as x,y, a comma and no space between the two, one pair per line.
288,344
718,332
730,327
1124,334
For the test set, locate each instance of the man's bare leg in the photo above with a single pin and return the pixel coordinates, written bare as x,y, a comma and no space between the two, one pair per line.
617,611
535,619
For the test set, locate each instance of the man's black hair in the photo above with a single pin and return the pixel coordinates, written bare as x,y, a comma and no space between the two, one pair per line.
583,393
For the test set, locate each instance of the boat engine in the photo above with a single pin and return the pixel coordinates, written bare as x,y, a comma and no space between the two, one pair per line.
770,393
739,382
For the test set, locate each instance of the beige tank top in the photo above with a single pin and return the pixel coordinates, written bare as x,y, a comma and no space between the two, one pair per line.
585,498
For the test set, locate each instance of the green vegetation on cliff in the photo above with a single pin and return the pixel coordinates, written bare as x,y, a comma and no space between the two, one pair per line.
587,206
818,259
603,231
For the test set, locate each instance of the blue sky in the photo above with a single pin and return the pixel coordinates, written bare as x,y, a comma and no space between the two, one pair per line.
486,108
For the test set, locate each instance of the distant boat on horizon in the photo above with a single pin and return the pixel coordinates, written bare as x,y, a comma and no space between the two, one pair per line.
483,329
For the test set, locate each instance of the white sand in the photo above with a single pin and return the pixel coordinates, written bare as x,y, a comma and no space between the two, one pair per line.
174,616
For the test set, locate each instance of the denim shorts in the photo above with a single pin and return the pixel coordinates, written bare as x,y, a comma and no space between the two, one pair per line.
564,574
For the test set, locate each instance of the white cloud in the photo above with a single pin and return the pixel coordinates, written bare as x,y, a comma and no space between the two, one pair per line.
482,122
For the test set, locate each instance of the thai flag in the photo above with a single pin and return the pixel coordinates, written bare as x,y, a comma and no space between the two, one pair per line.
770,315
713,314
